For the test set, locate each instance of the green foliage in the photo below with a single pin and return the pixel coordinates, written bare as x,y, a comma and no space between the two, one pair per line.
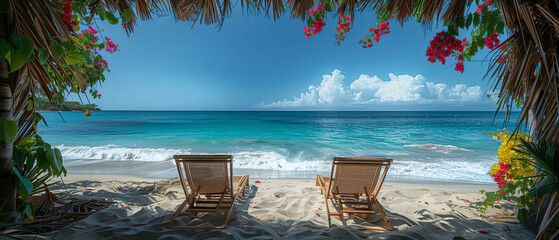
23,44
18,55
35,163
72,64
74,57
111,18
25,186
8,130
126,16
513,175
43,55
544,157
56,49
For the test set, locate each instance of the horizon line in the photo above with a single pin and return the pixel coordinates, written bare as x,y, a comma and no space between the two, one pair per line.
175,110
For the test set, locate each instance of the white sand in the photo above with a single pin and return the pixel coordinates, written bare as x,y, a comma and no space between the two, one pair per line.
281,209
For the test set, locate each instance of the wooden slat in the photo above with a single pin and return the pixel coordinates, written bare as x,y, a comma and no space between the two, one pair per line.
358,211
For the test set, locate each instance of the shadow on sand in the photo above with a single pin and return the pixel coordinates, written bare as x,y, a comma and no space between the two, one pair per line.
154,205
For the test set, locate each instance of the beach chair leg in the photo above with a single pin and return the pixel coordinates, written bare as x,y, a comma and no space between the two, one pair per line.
229,214
246,185
383,214
327,210
178,212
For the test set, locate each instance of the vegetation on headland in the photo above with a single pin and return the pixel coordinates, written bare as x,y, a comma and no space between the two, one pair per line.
42,104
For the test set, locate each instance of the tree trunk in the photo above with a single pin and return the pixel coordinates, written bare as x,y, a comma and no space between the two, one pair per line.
533,220
7,179
533,124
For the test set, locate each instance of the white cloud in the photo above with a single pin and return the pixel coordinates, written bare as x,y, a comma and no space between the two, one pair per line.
330,92
369,90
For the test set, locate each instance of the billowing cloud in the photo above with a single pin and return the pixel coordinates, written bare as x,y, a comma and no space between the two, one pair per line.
330,91
398,89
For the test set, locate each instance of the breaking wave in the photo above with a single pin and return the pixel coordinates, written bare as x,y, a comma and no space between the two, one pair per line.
437,148
271,160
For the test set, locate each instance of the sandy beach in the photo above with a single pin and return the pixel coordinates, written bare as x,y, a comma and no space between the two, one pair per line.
281,209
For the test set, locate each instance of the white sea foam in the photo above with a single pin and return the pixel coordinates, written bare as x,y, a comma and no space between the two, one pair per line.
460,171
276,161
271,160
245,159
113,152
438,148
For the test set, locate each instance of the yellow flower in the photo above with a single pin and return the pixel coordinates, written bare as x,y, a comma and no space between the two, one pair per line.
494,169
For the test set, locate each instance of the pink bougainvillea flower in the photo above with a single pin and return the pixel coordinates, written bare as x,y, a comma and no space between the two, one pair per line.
343,28
317,8
480,7
443,46
308,31
383,28
493,41
459,67
317,26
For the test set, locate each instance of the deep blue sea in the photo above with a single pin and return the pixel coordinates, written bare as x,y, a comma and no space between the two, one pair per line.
435,145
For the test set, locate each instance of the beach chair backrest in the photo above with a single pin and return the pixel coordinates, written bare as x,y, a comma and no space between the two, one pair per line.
205,174
358,175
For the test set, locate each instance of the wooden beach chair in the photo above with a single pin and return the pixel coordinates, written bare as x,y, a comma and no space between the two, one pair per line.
353,186
209,185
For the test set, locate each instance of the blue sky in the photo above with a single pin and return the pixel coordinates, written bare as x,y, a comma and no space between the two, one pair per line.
254,63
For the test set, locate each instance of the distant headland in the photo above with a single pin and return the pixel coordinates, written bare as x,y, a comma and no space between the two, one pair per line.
43,104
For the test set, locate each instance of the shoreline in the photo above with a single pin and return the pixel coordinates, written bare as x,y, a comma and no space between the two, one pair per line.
166,169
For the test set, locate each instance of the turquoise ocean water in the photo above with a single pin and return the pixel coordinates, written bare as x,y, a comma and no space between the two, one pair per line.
447,146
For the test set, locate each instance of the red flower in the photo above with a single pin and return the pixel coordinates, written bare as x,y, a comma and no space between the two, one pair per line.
67,15
383,28
308,31
459,67
480,7
343,27
443,46
493,41
317,26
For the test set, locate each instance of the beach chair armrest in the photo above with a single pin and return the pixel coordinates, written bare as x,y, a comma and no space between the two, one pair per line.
321,183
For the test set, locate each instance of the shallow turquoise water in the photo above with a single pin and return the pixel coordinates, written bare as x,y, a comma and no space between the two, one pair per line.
439,145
